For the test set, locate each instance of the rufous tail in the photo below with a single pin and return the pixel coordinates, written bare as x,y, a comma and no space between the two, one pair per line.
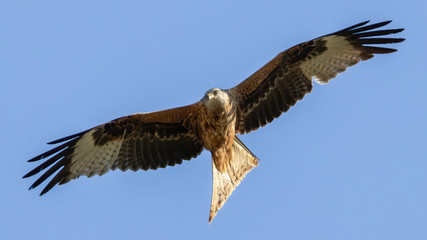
242,162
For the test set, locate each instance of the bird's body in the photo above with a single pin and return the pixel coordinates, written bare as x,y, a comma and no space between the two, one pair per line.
217,120
231,160
165,138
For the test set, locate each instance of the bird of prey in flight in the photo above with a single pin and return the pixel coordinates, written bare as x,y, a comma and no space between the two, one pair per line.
165,138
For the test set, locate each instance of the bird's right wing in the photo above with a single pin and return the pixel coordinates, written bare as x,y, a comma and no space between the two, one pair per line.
139,141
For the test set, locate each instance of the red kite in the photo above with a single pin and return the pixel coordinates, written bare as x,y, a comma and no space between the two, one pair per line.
165,138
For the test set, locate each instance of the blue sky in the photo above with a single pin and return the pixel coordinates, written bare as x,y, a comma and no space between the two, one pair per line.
347,162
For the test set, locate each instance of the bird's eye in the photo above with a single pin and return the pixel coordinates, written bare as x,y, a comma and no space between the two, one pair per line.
215,92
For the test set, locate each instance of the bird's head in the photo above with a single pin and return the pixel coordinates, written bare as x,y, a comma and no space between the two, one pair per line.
216,99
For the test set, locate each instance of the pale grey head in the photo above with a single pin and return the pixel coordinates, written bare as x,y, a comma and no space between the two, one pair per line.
216,99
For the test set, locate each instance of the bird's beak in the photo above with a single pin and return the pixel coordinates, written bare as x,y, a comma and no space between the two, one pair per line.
208,95
205,98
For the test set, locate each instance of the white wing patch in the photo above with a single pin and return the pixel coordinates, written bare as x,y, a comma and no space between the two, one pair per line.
89,159
340,55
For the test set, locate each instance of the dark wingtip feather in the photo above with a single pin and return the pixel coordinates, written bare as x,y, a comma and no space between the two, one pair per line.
360,30
397,30
52,151
380,40
47,163
361,37
41,156
369,27
354,26
347,29
378,50
58,178
49,172
68,137
378,33
28,175
45,190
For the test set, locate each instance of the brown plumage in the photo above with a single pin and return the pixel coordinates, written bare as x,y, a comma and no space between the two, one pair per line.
165,138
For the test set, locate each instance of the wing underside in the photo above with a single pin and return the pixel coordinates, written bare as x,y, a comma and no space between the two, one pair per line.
287,78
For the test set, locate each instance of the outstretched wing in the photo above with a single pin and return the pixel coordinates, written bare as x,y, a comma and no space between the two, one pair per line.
283,81
139,141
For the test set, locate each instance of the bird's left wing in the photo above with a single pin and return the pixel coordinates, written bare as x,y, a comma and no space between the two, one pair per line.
139,141
283,81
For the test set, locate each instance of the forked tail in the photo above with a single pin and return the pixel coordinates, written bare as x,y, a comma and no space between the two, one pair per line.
243,161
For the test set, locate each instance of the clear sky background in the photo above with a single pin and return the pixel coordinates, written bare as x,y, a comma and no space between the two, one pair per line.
347,162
